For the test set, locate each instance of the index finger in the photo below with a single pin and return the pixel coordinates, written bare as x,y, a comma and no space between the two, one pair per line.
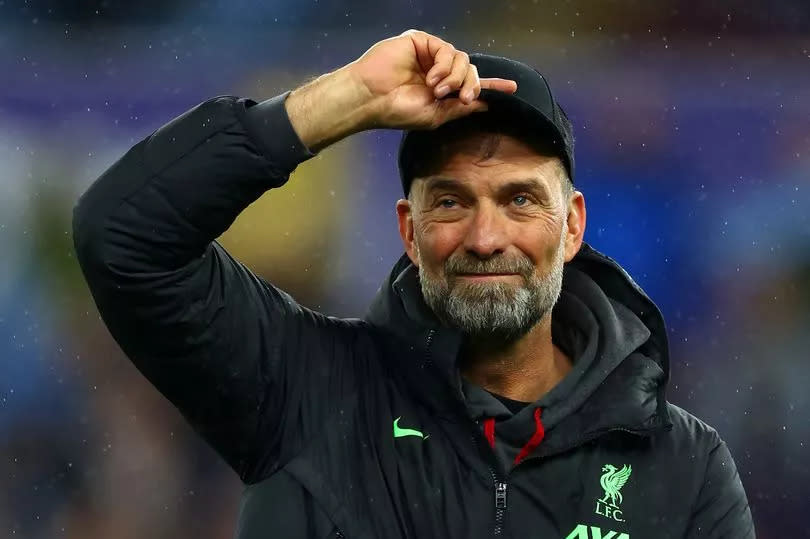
502,85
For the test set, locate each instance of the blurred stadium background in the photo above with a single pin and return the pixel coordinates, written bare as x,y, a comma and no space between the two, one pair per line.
692,121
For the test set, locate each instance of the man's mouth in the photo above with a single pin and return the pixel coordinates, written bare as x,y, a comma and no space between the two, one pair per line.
487,275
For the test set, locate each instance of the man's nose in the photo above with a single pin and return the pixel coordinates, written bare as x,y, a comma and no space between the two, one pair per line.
487,234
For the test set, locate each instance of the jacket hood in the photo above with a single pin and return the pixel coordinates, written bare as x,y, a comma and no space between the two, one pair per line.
621,359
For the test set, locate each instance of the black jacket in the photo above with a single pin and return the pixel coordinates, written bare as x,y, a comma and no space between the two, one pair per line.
362,428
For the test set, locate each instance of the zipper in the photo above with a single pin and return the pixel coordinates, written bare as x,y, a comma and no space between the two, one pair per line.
500,506
500,485
429,341
339,535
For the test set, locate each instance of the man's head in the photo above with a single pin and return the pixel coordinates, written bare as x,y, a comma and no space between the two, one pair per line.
487,196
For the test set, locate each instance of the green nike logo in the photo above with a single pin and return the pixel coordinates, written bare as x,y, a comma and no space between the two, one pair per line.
399,432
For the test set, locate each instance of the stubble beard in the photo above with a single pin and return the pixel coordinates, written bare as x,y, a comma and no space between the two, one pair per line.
492,311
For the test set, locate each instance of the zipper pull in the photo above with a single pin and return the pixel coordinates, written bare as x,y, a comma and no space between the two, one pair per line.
500,495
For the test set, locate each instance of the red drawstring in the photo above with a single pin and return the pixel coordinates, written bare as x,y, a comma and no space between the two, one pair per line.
489,431
531,445
536,438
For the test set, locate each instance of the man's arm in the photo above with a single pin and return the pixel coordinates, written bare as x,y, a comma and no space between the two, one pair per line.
250,369
721,511
206,331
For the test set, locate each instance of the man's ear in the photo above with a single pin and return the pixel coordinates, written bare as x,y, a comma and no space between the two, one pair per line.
405,221
576,225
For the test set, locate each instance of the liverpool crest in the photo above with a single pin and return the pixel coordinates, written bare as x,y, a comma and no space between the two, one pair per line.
612,481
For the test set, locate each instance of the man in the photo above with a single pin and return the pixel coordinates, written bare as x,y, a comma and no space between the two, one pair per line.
507,380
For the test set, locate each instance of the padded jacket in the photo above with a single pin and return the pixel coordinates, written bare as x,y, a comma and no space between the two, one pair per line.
362,428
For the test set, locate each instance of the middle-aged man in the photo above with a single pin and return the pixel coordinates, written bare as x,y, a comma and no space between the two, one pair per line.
507,380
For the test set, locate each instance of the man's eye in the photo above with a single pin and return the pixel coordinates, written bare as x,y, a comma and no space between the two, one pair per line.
521,200
447,202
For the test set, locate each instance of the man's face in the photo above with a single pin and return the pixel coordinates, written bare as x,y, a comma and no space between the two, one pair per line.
490,239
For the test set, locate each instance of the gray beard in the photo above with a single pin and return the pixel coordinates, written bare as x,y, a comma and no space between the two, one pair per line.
496,311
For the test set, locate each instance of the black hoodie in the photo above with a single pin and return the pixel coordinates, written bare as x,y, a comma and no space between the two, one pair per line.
363,428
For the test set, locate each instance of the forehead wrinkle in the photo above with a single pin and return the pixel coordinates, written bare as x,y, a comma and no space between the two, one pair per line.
441,182
520,184
524,184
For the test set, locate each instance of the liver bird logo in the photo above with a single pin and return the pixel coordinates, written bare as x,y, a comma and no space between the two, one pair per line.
612,482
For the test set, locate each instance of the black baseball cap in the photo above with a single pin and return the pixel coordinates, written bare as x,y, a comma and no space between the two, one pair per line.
532,107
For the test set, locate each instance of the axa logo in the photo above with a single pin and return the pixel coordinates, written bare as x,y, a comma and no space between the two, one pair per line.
583,531
612,481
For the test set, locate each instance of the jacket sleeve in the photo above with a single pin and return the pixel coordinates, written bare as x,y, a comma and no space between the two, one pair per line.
721,510
237,356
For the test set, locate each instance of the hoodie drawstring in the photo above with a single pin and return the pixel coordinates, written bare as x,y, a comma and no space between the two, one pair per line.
534,441
489,431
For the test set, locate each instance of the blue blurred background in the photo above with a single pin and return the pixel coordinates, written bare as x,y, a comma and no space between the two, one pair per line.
692,121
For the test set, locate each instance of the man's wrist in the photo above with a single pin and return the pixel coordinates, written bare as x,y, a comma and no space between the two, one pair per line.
330,108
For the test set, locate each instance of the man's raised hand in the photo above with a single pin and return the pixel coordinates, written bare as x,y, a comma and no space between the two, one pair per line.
409,78
411,81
